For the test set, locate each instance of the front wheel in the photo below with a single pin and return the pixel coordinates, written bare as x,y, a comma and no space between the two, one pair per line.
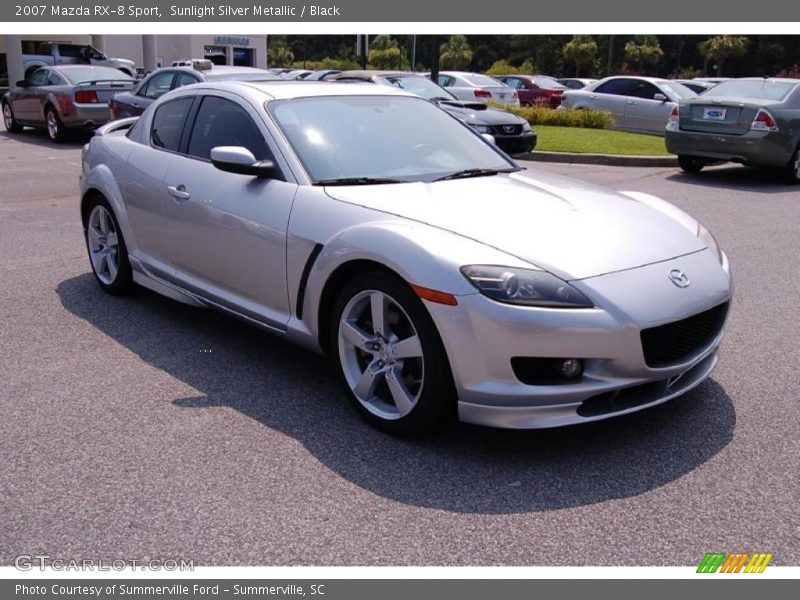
108,254
691,164
391,360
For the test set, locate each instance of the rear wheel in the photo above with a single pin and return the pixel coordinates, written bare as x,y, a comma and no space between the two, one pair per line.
391,360
9,121
55,128
691,164
792,170
108,254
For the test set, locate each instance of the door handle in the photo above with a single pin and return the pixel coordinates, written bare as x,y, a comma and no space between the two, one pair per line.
630,102
179,192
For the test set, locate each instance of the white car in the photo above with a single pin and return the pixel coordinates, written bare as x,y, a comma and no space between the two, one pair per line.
441,278
639,104
476,86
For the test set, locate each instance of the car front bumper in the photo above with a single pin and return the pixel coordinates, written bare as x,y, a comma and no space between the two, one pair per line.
516,144
754,147
481,336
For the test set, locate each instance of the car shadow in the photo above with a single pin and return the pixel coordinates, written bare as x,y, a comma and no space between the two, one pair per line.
730,176
38,137
465,469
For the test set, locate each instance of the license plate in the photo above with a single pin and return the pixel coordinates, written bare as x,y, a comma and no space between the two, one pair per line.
713,113
502,96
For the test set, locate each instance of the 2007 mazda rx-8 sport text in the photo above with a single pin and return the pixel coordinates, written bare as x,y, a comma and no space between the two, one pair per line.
442,278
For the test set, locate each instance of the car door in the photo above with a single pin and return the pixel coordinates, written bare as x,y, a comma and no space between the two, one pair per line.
26,104
228,231
144,184
643,112
611,96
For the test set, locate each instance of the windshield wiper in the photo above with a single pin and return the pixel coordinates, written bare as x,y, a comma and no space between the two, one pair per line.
473,173
359,181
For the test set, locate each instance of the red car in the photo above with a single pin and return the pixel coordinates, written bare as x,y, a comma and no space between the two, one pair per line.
533,90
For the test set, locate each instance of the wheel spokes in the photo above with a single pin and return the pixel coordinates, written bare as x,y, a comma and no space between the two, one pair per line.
403,399
379,310
408,348
370,378
356,336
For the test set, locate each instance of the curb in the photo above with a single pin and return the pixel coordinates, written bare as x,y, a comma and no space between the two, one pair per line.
613,160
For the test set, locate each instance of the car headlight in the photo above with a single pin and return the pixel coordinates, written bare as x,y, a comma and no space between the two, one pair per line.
482,128
526,126
709,240
524,286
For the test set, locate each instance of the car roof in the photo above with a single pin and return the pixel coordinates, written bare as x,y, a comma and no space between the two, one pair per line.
639,77
292,88
370,73
770,79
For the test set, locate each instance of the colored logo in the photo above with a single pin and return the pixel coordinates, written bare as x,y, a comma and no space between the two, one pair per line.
737,562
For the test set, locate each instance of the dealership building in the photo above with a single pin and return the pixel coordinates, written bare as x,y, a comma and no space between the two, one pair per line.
147,51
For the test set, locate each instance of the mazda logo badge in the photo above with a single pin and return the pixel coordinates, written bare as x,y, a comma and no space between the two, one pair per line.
679,278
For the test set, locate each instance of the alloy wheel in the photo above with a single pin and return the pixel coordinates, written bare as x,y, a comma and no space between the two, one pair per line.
381,354
52,125
8,118
103,241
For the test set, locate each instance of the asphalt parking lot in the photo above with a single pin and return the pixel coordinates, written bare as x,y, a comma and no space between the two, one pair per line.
141,428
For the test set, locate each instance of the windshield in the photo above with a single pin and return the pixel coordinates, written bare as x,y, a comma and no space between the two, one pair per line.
382,137
753,90
421,86
483,80
676,91
84,74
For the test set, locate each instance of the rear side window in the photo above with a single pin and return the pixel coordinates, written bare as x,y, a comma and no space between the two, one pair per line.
185,79
446,80
221,122
618,87
70,50
168,122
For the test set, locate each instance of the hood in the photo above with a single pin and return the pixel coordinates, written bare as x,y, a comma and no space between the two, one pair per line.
469,113
573,229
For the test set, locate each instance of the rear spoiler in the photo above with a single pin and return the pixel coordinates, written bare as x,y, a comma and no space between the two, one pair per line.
96,81
119,125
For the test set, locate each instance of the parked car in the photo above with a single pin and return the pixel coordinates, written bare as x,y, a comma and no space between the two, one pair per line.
640,104
752,121
511,133
535,89
698,87
160,81
440,277
475,86
297,74
322,75
65,97
63,53
575,83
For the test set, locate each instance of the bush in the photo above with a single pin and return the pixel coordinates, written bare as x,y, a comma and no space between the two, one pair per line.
539,115
501,67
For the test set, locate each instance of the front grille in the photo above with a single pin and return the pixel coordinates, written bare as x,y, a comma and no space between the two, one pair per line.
507,129
675,342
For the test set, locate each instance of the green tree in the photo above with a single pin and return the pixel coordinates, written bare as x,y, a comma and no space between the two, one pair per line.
384,53
722,47
527,67
456,53
278,52
581,50
501,67
643,51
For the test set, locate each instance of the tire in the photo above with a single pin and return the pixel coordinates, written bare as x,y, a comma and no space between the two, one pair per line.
11,124
691,164
108,255
791,172
53,125
398,385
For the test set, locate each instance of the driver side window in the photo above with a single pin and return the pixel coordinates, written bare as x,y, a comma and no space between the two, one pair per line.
39,78
221,122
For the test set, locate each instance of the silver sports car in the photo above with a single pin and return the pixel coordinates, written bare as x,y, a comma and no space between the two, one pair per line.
442,278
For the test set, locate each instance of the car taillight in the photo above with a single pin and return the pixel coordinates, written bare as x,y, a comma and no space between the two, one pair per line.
515,95
764,121
673,123
86,96
482,94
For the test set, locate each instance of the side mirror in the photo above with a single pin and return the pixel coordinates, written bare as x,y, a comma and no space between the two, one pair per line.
22,83
660,97
489,138
239,160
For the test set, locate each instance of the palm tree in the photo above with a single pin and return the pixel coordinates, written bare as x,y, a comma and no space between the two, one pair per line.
278,52
721,47
456,52
581,50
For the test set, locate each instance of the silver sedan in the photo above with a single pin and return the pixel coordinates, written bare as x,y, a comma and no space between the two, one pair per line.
639,104
440,277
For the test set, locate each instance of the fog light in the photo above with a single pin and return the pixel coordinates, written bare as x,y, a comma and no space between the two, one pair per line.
571,368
